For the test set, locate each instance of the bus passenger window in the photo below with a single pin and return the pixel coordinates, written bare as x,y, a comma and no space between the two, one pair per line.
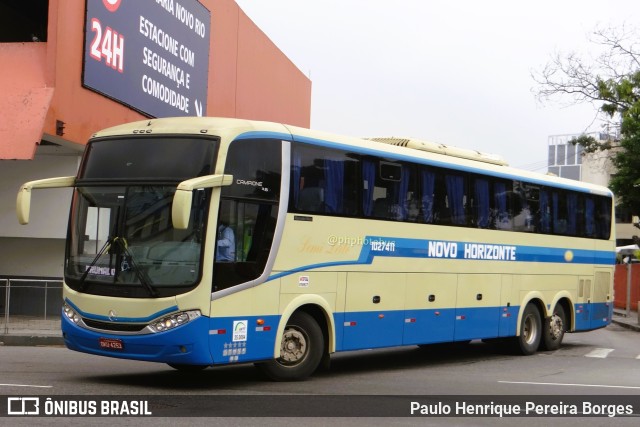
388,191
481,200
502,217
522,210
589,218
456,198
427,183
311,199
323,181
544,212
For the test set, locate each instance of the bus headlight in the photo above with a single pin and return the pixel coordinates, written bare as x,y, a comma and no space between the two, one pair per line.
70,313
174,320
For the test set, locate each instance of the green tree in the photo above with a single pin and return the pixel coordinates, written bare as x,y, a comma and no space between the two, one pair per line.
611,80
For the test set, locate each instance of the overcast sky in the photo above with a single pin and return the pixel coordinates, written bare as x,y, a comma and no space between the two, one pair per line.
457,72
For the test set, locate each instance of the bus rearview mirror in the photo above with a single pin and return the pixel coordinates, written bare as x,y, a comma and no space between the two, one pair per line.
23,202
181,208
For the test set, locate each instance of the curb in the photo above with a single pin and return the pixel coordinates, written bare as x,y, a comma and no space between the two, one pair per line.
626,325
23,340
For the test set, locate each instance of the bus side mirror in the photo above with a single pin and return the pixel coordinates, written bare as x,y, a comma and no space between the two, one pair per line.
23,202
181,207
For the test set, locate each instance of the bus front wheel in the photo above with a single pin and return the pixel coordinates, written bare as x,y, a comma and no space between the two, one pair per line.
528,341
301,350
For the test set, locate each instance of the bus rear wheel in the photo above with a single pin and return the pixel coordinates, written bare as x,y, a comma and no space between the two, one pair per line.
528,341
301,350
554,329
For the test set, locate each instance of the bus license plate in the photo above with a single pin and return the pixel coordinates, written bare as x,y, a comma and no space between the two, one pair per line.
111,344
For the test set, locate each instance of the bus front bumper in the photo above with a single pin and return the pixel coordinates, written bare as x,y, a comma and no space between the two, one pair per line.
187,344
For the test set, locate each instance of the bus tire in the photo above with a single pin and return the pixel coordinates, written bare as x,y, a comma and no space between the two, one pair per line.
528,341
554,329
301,350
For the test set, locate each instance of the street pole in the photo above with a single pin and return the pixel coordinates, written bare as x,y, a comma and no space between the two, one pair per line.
629,288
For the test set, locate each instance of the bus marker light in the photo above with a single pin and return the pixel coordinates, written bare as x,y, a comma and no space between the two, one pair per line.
437,313
380,316
217,332
263,328
260,322
461,317
349,323
409,320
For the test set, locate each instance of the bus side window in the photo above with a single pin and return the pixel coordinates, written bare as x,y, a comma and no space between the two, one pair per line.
572,214
311,199
603,217
559,213
589,217
323,181
481,203
502,216
523,207
456,198
427,197
253,226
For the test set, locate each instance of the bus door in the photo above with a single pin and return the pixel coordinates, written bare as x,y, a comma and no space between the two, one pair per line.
374,310
478,311
247,217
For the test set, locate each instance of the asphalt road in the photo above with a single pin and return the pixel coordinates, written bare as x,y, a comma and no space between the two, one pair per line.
598,363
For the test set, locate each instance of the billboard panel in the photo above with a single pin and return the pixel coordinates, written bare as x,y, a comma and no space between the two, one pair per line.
151,55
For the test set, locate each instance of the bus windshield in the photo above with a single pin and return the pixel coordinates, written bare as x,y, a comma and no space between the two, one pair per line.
121,238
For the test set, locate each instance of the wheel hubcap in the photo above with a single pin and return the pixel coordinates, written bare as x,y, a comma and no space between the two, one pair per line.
294,347
556,326
530,330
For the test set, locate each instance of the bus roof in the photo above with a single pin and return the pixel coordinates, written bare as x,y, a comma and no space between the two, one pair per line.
403,149
434,147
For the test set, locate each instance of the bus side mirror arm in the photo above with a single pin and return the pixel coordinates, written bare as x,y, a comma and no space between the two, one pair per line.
181,208
23,202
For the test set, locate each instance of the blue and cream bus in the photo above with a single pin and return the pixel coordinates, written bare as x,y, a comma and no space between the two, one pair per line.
336,244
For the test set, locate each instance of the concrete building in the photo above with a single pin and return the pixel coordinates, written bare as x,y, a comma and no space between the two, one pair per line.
72,67
573,162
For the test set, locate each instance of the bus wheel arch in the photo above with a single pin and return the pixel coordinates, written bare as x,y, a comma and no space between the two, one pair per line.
303,344
530,329
302,348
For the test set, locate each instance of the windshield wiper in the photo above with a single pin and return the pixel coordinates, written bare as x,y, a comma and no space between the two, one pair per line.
141,274
101,252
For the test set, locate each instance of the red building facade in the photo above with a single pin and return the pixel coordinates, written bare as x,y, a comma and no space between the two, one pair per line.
43,95
48,112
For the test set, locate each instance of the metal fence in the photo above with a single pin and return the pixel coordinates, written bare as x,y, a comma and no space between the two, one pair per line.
30,306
